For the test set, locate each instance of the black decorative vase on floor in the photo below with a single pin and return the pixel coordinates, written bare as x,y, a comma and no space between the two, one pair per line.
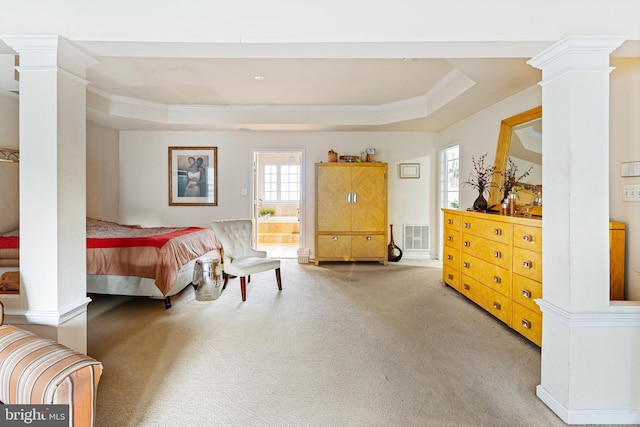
480,204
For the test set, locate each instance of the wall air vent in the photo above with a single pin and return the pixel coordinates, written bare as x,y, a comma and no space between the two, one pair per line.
416,237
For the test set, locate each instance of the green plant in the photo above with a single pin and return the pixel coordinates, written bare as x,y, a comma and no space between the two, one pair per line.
267,211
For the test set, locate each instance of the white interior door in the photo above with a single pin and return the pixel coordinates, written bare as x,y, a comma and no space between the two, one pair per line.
278,201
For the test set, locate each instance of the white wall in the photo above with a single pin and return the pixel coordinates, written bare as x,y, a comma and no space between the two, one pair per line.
103,172
9,199
625,147
144,163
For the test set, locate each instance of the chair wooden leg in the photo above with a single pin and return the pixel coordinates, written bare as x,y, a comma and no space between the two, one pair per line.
243,287
278,279
226,280
249,279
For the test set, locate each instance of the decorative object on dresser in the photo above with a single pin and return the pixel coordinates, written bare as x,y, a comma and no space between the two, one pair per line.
496,261
351,212
332,156
481,180
510,178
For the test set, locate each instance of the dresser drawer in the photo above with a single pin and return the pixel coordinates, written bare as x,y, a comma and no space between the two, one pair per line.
451,257
334,246
452,221
527,263
488,250
527,237
451,276
525,290
528,323
493,302
497,278
452,238
369,246
487,228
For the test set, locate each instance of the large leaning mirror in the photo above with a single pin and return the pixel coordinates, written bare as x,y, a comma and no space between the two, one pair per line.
520,140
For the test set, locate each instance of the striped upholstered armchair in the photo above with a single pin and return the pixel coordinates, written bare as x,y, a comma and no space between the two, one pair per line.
39,371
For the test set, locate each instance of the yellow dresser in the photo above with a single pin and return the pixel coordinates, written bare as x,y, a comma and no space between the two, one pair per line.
496,261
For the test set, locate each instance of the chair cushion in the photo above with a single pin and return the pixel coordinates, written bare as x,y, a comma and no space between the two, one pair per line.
235,237
35,370
250,265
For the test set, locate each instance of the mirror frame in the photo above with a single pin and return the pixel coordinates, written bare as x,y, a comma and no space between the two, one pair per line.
502,150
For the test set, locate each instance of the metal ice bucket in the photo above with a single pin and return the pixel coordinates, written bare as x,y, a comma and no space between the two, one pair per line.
207,278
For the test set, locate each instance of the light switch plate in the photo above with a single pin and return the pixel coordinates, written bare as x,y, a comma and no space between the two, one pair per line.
630,169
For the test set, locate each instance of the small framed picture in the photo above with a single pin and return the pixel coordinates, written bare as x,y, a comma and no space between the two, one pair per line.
409,170
193,176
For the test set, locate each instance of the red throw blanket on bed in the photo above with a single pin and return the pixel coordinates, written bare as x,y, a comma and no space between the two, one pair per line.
156,253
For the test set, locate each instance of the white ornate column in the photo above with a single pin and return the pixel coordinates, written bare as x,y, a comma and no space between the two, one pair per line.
590,370
52,110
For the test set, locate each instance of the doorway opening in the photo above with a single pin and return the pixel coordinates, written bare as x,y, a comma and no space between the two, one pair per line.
277,199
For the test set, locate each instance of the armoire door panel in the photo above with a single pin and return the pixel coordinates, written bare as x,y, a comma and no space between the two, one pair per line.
333,211
368,187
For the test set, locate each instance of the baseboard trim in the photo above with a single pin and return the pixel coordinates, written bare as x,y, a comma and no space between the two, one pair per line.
47,317
588,416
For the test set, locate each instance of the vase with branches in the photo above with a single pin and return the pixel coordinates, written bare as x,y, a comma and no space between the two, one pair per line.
481,180
510,177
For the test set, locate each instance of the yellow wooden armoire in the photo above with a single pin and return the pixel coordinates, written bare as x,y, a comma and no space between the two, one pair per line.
351,212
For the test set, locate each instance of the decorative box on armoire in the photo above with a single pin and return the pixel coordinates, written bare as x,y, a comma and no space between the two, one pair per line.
351,212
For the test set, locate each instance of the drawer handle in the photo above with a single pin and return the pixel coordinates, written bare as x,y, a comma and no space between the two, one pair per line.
467,244
527,264
450,222
526,324
497,305
334,238
466,287
527,238
497,279
450,257
497,231
450,238
465,264
450,276
467,225
368,237
526,293
497,254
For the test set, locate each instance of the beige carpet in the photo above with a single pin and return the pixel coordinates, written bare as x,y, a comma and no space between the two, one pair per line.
342,344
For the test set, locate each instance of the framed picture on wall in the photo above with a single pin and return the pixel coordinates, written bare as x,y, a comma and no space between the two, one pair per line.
409,170
193,176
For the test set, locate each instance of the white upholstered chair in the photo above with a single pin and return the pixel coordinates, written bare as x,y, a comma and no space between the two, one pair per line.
239,258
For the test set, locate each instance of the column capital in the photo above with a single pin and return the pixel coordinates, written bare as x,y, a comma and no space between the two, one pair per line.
576,54
42,51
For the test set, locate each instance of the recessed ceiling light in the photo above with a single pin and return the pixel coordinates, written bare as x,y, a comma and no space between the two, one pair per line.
258,78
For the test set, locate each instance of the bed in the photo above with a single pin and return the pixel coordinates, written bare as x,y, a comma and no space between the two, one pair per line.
157,262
